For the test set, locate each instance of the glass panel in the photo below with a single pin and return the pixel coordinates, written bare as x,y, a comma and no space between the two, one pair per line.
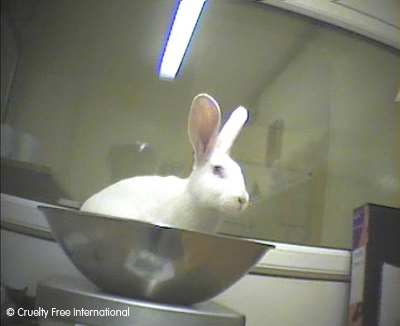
87,105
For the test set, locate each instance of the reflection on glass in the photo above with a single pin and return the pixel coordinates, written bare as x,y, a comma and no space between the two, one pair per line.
323,133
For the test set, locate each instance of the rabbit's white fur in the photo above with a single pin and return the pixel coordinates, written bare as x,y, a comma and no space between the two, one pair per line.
215,188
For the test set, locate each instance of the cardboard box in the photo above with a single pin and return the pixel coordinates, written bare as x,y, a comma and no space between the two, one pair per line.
375,270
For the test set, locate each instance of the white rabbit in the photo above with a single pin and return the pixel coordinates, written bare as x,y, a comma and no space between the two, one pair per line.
215,188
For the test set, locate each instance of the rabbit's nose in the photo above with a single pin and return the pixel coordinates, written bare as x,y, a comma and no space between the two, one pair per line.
243,201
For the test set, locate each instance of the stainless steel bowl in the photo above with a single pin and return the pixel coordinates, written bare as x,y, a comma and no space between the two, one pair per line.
149,262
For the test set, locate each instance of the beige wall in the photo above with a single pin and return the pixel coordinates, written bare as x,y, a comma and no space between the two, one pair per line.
340,145
275,301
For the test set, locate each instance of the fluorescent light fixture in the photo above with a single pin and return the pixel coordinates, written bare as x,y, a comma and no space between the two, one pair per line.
187,14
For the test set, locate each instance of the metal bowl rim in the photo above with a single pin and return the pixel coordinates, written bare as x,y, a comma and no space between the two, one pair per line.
152,225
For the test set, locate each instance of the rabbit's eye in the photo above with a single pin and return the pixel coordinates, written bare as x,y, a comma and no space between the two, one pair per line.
218,170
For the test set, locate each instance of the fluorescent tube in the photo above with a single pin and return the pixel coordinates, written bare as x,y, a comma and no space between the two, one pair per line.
180,33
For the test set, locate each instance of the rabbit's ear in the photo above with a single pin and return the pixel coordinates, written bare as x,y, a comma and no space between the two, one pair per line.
231,129
203,125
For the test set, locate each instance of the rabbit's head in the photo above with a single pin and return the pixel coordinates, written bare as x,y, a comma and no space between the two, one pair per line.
216,180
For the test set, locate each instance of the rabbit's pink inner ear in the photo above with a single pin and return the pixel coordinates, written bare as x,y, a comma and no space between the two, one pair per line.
203,125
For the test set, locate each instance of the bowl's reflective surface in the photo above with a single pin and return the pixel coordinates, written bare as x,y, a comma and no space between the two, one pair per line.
145,261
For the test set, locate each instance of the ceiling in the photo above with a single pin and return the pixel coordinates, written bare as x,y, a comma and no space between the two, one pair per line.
233,61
